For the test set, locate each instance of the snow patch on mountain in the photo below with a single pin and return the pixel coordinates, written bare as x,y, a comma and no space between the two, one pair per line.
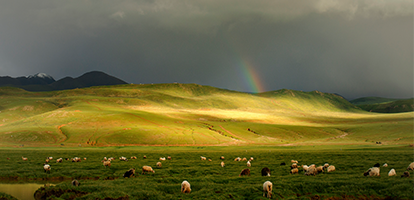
40,75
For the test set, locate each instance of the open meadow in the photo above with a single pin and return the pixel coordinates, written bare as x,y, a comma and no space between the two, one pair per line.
207,178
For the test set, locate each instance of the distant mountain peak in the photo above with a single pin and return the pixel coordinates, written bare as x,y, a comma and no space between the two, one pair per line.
41,75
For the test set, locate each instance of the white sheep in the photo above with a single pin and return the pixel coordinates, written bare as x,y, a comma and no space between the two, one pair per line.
47,168
385,165
244,159
237,159
147,169
162,158
249,164
294,161
373,171
331,168
59,160
251,159
185,187
411,166
392,173
267,189
305,168
23,158
159,164
203,158
222,164
294,171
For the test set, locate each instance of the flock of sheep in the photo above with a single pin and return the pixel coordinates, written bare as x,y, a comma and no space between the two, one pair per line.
267,186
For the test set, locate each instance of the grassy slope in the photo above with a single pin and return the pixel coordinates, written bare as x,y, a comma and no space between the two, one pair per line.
190,114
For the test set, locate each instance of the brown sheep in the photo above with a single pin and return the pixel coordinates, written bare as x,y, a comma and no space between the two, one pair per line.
406,174
169,157
265,171
294,171
106,163
245,172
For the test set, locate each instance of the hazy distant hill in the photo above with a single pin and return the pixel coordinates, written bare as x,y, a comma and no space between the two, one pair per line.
384,105
43,82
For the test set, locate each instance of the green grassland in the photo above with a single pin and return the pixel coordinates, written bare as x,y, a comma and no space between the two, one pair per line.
190,115
208,179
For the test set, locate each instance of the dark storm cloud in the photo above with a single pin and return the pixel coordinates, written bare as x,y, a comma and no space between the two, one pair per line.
354,48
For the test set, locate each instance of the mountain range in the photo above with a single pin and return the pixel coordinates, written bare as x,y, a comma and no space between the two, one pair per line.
44,82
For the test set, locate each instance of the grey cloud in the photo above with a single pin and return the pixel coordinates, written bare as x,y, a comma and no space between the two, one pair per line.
355,48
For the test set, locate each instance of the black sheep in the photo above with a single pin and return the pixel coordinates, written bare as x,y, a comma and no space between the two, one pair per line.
265,171
129,173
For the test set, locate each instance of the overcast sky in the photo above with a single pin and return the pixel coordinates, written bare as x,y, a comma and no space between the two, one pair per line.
355,48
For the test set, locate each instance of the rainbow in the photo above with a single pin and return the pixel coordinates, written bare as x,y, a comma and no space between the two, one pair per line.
251,77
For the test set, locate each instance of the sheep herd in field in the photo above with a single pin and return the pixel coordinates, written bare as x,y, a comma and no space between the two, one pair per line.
267,186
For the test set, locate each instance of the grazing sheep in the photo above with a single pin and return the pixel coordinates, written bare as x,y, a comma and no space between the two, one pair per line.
222,164
50,158
411,166
385,165
162,158
147,169
320,169
145,157
265,171
129,173
294,161
76,159
294,171
267,189
406,174
249,164
23,158
251,159
331,168
244,159
59,160
305,168
169,157
84,158
105,158
159,164
221,157
392,173
245,172
111,159
75,183
185,187
46,167
122,158
373,171
106,163
47,160
311,171
294,165
210,160
203,158
282,163
67,159
377,165
237,159
326,165
133,157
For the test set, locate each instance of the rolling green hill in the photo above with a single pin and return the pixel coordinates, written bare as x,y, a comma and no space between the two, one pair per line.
384,105
190,114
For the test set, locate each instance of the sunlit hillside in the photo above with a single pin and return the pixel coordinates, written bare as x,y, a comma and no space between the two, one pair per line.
190,114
